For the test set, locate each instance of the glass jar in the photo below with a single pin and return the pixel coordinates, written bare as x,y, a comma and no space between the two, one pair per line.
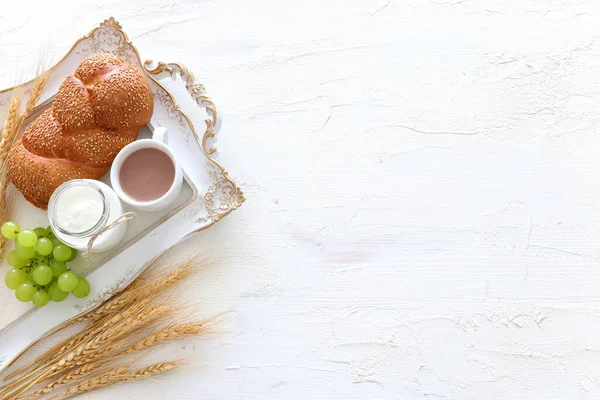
79,208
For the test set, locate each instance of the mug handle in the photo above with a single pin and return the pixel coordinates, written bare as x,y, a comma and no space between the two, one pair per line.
160,134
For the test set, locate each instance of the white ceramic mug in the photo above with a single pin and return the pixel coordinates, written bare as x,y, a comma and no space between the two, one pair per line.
159,142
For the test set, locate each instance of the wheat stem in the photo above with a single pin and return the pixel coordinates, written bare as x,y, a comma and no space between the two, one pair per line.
100,345
154,369
54,354
165,334
84,353
12,127
12,120
75,374
35,93
114,377
104,380
138,291
113,332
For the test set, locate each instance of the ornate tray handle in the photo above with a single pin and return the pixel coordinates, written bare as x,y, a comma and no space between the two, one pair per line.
195,89
233,193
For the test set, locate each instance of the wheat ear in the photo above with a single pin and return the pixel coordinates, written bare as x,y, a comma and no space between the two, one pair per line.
35,93
73,375
83,354
163,335
137,292
12,127
166,334
14,119
114,377
100,345
154,369
57,352
139,289
101,381
9,136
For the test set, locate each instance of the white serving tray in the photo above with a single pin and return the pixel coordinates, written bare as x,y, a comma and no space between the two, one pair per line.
209,193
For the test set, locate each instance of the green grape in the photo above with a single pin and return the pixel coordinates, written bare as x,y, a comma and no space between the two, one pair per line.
67,281
42,275
27,238
25,291
42,260
30,276
15,261
25,253
40,298
73,255
41,232
56,294
14,278
58,268
10,230
56,241
82,289
44,246
62,252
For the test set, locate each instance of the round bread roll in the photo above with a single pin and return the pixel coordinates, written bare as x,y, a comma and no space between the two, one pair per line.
97,111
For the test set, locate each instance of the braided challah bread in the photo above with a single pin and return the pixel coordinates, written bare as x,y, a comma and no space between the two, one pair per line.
97,111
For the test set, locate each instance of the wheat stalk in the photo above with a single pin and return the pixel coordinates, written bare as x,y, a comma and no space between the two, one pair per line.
18,389
167,280
62,348
165,334
139,289
101,381
102,344
58,351
12,120
9,135
87,352
113,332
115,304
73,375
35,93
55,351
12,128
102,325
154,369
138,293
169,333
114,377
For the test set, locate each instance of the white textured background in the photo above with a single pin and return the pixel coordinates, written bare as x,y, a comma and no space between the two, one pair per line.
423,191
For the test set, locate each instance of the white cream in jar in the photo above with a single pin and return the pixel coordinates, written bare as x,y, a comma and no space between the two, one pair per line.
79,208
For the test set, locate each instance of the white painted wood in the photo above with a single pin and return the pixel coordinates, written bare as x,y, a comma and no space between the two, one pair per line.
423,192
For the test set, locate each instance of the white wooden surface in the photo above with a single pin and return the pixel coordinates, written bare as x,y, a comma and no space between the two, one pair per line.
423,192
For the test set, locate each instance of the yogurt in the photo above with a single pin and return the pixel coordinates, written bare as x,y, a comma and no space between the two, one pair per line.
79,208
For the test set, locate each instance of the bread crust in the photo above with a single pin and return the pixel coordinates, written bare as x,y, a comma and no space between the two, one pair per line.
97,111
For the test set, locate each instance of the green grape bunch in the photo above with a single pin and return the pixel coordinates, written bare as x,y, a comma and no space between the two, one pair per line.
39,262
